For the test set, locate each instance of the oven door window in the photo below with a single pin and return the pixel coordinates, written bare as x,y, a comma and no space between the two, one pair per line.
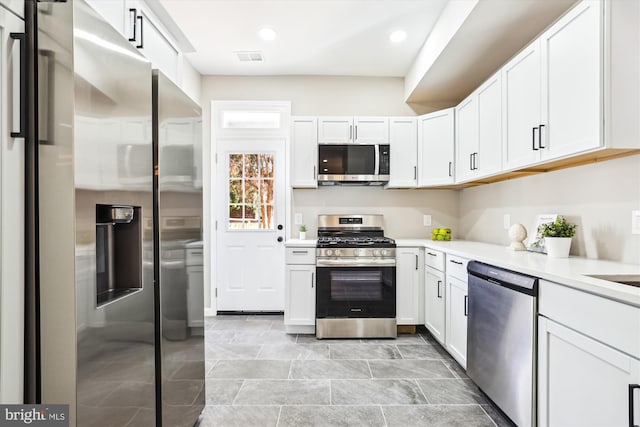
356,292
356,286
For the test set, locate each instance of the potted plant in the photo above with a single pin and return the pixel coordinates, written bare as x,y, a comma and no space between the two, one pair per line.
303,232
557,237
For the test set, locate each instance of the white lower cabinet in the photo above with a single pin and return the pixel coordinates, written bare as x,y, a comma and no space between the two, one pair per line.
408,286
456,319
300,290
583,382
434,303
588,357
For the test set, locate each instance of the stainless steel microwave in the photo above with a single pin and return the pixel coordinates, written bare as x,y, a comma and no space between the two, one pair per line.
353,163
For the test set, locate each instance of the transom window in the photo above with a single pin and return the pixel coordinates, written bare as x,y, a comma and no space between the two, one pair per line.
251,198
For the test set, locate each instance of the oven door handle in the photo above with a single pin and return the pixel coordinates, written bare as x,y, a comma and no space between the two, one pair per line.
356,263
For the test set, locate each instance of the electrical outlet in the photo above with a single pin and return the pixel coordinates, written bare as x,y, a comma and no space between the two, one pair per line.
298,219
635,222
506,221
426,220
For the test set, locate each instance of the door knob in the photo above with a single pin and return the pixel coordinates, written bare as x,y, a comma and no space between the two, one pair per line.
280,239
279,226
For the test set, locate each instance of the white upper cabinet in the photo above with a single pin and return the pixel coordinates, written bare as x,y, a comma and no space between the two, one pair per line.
435,148
303,159
488,158
553,91
403,138
521,101
371,130
137,23
359,130
152,40
467,133
335,130
571,82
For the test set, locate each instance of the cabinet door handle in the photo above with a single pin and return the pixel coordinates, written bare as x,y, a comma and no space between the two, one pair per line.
141,44
471,161
455,262
415,172
300,252
466,305
417,262
475,161
22,132
350,132
432,254
133,20
450,164
314,172
356,138
540,138
439,283
632,388
533,138
313,281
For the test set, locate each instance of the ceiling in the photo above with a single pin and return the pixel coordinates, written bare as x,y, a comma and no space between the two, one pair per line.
351,38
314,37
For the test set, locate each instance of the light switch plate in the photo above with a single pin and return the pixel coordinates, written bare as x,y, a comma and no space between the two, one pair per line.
506,221
635,222
426,220
298,219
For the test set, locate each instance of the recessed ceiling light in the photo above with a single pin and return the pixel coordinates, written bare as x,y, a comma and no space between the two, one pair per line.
267,34
398,36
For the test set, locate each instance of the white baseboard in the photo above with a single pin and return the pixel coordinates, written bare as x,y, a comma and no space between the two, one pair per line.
209,312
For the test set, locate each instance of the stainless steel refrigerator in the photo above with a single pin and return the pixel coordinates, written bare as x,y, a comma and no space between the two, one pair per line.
108,285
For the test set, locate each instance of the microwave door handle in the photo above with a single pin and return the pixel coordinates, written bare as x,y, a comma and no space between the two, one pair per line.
376,166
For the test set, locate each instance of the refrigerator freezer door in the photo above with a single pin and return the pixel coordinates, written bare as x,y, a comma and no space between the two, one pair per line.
177,142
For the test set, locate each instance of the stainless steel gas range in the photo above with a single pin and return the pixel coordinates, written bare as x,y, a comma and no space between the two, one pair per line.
355,278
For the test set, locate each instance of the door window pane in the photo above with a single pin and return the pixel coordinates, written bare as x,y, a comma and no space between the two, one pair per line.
251,191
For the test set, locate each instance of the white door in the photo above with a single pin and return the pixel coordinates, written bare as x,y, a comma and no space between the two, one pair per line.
371,130
456,319
488,159
250,225
466,137
333,130
403,138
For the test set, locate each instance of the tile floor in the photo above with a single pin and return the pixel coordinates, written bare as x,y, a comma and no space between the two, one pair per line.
257,375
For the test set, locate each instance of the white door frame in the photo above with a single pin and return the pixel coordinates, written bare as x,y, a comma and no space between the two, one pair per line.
217,130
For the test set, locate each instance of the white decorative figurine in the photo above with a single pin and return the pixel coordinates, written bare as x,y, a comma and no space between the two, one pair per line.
517,233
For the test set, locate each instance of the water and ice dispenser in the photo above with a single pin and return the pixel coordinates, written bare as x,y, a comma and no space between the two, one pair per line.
118,252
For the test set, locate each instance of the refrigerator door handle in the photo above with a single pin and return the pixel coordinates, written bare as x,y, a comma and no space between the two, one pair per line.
22,131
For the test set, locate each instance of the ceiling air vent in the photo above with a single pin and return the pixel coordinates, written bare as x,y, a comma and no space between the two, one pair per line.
249,55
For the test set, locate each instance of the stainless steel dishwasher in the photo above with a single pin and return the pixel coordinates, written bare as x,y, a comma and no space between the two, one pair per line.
501,339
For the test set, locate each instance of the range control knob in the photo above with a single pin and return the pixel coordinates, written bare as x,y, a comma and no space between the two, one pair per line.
376,252
329,252
362,252
337,252
385,252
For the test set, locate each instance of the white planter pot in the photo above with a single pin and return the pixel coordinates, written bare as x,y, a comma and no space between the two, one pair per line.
303,235
557,247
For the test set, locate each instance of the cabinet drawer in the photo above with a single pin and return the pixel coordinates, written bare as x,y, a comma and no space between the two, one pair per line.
434,259
300,255
457,267
613,323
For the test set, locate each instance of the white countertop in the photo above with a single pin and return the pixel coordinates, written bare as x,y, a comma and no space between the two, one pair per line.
570,271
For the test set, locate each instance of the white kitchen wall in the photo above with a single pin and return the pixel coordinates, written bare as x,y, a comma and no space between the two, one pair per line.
403,210
598,197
